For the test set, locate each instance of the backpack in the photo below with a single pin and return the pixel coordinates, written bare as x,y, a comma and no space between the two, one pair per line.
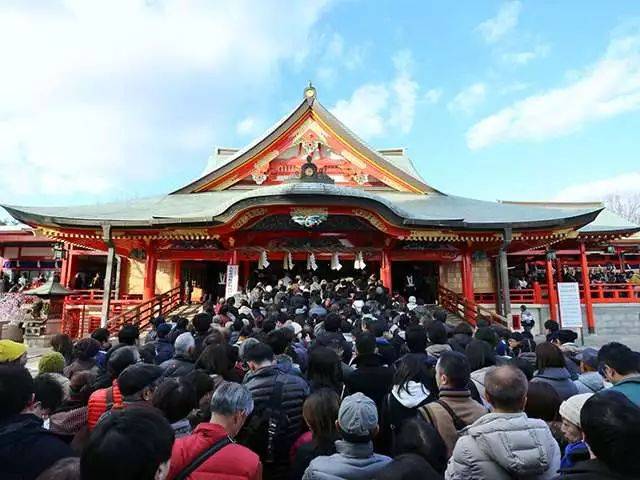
458,423
266,430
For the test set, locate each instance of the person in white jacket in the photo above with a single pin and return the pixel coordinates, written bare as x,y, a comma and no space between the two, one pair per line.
505,444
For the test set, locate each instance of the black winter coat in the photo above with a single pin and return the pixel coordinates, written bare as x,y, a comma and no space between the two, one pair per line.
178,366
27,449
408,466
372,377
592,470
294,393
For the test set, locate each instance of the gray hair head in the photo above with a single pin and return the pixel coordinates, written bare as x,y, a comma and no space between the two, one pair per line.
184,342
230,398
243,346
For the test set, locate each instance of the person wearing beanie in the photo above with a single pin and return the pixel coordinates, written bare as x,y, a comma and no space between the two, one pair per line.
52,362
13,353
590,380
84,352
358,425
163,346
576,450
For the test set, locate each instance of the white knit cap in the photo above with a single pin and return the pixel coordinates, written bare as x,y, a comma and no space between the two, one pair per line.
570,408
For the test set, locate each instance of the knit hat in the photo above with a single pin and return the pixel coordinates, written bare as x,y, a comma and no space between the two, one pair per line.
11,351
570,408
589,356
358,415
52,362
163,330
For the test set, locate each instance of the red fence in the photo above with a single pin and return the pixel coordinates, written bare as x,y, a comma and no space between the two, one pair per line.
142,313
467,309
81,312
600,293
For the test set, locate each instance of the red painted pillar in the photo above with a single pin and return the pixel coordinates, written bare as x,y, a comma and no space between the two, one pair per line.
558,270
586,288
466,268
177,273
150,266
467,283
553,296
385,271
71,268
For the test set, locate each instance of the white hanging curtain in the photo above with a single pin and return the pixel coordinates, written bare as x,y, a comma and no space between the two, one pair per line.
335,261
287,263
262,261
311,262
359,264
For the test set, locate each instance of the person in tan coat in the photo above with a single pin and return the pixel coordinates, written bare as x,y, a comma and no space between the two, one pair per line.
454,409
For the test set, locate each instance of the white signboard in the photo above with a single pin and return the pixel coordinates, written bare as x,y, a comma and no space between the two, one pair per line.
569,300
232,280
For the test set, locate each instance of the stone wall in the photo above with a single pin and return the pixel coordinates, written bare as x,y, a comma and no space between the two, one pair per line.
612,319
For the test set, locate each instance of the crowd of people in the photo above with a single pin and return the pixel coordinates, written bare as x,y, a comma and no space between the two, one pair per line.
320,380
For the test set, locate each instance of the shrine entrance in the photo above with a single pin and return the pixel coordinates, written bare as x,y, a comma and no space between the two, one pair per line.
275,271
208,278
419,279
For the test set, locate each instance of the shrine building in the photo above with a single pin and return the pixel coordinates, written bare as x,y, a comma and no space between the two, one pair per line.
310,194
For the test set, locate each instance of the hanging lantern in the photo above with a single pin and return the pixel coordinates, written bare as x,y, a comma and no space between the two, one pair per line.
359,264
262,261
311,262
335,261
287,263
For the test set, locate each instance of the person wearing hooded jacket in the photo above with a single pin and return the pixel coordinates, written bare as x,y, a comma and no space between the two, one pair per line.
505,443
408,394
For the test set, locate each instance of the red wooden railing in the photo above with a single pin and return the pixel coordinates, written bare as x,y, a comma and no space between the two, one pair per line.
600,293
94,294
81,313
80,316
142,313
614,293
467,309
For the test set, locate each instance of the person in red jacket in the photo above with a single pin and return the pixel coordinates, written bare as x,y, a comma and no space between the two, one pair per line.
231,404
105,398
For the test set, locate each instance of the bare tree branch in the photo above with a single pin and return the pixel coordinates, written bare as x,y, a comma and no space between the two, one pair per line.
625,205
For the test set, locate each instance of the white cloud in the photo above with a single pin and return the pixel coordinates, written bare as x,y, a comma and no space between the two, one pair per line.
468,99
608,88
374,108
365,111
522,58
598,190
433,95
405,90
91,91
247,126
504,22
338,56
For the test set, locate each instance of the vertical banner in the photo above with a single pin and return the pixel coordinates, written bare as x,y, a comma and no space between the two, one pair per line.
232,280
569,300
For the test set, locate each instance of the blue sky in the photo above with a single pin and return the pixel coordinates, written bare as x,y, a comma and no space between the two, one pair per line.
529,100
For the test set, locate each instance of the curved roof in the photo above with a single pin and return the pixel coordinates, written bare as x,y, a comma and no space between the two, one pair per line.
402,169
213,207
